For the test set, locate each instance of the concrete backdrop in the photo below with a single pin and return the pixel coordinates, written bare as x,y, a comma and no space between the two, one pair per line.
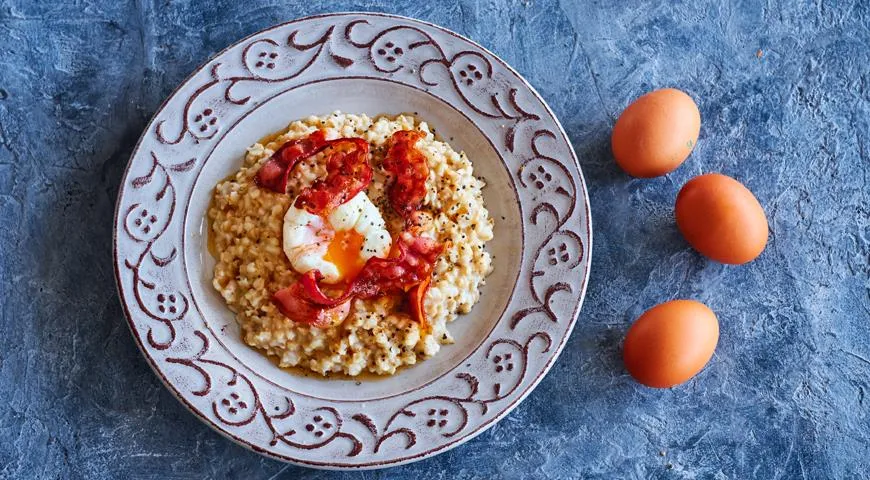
784,91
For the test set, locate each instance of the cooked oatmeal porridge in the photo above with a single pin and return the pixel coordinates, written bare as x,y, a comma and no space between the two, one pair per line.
266,240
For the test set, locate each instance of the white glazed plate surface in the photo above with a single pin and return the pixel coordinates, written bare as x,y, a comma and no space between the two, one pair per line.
372,64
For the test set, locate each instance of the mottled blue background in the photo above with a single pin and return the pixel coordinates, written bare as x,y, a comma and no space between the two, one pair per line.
784,92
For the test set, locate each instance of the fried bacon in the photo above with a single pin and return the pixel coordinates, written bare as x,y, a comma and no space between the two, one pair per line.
408,268
416,296
293,303
275,172
348,172
410,262
409,170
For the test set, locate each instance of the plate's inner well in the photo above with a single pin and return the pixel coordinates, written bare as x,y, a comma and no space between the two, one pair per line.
372,97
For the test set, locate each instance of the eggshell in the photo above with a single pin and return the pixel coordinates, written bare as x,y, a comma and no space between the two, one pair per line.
656,133
721,218
670,343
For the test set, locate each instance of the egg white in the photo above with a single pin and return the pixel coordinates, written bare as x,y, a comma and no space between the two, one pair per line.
307,236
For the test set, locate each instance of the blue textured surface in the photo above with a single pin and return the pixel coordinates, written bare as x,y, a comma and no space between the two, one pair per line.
784,91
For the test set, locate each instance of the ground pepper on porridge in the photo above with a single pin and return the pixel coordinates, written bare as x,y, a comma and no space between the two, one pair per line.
262,243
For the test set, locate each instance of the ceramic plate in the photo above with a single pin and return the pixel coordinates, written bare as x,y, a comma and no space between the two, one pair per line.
355,63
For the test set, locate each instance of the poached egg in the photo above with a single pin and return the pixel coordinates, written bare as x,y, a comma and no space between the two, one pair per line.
338,245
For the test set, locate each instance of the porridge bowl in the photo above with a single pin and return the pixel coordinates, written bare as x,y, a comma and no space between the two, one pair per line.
497,327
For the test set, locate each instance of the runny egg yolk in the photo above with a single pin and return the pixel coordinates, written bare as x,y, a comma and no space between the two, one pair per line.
344,253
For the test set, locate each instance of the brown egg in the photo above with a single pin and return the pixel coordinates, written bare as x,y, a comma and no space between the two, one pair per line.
670,343
656,133
721,218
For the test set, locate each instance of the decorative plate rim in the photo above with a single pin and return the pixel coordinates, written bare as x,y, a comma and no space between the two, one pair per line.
554,345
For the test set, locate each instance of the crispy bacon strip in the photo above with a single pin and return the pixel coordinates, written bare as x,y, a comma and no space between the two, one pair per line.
409,169
275,172
416,296
293,303
348,172
410,262
408,268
